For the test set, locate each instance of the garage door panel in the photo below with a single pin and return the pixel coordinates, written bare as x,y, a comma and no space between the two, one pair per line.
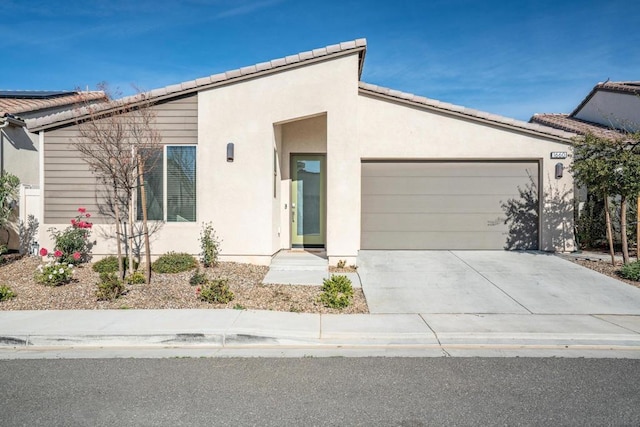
448,169
444,222
463,186
445,205
434,204
435,239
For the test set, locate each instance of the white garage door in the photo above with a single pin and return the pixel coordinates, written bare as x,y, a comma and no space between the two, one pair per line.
450,205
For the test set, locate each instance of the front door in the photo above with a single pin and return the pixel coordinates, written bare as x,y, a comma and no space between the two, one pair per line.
307,201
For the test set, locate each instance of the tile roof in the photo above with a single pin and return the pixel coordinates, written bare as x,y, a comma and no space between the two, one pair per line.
571,124
467,112
19,102
628,88
275,65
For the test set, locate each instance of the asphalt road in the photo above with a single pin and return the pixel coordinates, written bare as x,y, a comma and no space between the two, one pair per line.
327,391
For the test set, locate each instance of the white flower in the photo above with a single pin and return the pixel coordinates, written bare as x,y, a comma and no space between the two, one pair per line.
50,276
61,270
70,265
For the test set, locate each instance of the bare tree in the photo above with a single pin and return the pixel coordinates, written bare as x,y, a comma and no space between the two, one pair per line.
119,141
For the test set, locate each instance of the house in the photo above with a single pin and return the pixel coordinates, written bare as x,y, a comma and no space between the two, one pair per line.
609,110
19,153
298,152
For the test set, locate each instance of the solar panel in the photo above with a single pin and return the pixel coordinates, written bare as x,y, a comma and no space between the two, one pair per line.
33,94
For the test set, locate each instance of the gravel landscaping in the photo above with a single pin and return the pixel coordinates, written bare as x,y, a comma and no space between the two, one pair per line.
167,291
607,269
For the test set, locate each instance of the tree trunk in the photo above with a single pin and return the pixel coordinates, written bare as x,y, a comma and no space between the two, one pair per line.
118,226
638,227
607,216
131,236
623,230
143,200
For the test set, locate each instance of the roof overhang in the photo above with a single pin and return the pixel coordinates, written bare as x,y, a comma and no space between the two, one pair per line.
164,94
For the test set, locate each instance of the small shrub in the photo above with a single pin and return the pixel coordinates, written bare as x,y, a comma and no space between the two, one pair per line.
342,263
136,278
337,292
216,291
109,287
631,271
54,273
73,242
198,278
210,245
239,307
6,293
110,264
174,262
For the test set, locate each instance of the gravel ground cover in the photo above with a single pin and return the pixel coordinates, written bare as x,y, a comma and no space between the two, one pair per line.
167,291
606,268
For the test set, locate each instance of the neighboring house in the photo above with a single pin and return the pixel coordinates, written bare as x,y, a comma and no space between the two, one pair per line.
609,110
19,152
298,152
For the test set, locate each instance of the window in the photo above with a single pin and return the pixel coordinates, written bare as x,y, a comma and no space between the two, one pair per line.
170,185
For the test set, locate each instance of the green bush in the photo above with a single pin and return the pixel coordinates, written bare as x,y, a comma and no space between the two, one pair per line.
337,292
631,271
110,265
136,278
73,242
198,278
174,262
54,273
6,293
210,245
109,287
216,291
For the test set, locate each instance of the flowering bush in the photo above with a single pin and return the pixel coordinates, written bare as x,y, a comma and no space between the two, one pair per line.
54,273
72,244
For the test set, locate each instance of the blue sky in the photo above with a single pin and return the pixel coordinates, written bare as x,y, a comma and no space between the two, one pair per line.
508,57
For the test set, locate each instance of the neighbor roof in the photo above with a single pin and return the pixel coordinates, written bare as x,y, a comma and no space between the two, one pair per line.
627,88
571,124
19,102
215,80
470,113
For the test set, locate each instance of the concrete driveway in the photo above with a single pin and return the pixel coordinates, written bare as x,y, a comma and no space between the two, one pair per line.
489,282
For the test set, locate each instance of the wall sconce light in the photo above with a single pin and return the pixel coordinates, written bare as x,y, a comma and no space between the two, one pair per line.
230,152
559,170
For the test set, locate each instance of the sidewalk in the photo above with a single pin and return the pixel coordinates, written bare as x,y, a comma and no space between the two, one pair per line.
255,333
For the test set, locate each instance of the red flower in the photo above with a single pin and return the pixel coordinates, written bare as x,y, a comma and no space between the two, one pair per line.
88,215
76,255
43,252
198,290
73,222
82,210
82,224
57,253
88,225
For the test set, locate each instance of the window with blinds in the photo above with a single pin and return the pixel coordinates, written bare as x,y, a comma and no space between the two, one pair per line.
170,185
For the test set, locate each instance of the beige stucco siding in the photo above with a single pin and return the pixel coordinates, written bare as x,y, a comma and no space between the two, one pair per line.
238,196
390,130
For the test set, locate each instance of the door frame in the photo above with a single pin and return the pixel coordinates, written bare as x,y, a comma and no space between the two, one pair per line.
320,242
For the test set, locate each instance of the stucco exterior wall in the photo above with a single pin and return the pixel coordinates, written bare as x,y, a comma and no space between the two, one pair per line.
390,130
237,197
619,110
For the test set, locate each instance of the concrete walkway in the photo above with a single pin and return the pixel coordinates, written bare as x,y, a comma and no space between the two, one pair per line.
258,333
298,267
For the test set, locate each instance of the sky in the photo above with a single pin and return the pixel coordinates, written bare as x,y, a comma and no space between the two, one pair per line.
508,57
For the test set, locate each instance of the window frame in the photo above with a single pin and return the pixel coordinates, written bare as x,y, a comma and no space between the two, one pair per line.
165,187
